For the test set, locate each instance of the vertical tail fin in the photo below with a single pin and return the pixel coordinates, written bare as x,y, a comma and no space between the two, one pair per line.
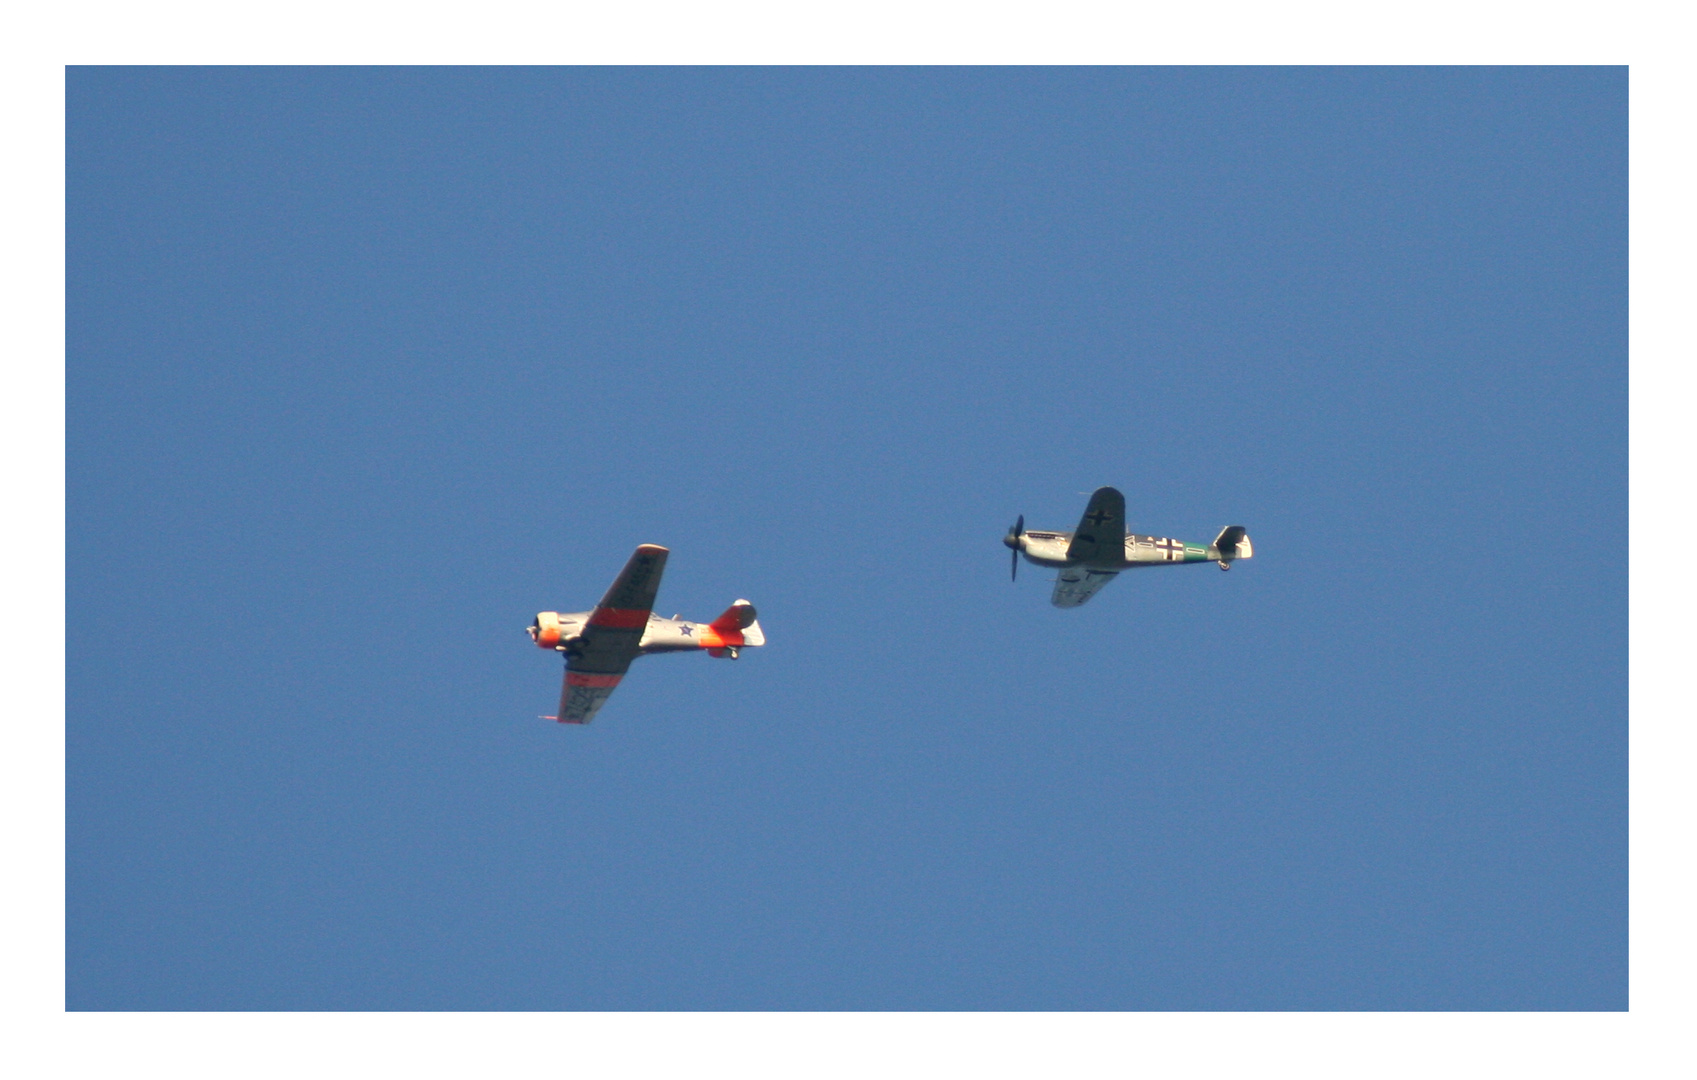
1232,544
739,625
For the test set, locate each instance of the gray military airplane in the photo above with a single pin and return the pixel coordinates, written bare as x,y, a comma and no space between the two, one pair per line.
599,645
1100,548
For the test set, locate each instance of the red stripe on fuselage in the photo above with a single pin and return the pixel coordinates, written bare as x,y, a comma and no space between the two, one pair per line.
598,682
714,639
619,618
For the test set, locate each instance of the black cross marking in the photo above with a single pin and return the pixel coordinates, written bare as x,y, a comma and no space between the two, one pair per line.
1097,518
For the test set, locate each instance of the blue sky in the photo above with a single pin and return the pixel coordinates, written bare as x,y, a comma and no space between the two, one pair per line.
364,367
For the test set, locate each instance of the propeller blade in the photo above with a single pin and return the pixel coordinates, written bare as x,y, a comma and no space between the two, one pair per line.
1014,534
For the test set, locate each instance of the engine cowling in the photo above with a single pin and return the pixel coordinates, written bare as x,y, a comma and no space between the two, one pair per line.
553,630
547,631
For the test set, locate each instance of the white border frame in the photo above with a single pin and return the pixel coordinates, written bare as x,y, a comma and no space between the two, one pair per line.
1378,1044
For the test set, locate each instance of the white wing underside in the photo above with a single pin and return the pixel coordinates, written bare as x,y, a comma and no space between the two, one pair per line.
1076,584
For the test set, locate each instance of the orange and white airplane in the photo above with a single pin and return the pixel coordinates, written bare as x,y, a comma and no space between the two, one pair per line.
599,645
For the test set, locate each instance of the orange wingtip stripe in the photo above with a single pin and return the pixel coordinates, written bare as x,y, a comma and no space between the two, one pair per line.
584,678
619,618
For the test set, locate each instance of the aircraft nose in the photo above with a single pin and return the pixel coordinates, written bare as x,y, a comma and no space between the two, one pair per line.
1016,532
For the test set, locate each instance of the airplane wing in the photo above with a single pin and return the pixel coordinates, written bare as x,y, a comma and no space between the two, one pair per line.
1101,532
584,692
613,636
1078,584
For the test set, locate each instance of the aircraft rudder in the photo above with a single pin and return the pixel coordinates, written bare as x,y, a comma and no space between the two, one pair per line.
753,635
1232,544
740,625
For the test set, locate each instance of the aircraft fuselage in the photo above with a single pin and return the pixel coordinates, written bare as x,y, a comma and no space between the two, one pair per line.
1050,549
561,631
